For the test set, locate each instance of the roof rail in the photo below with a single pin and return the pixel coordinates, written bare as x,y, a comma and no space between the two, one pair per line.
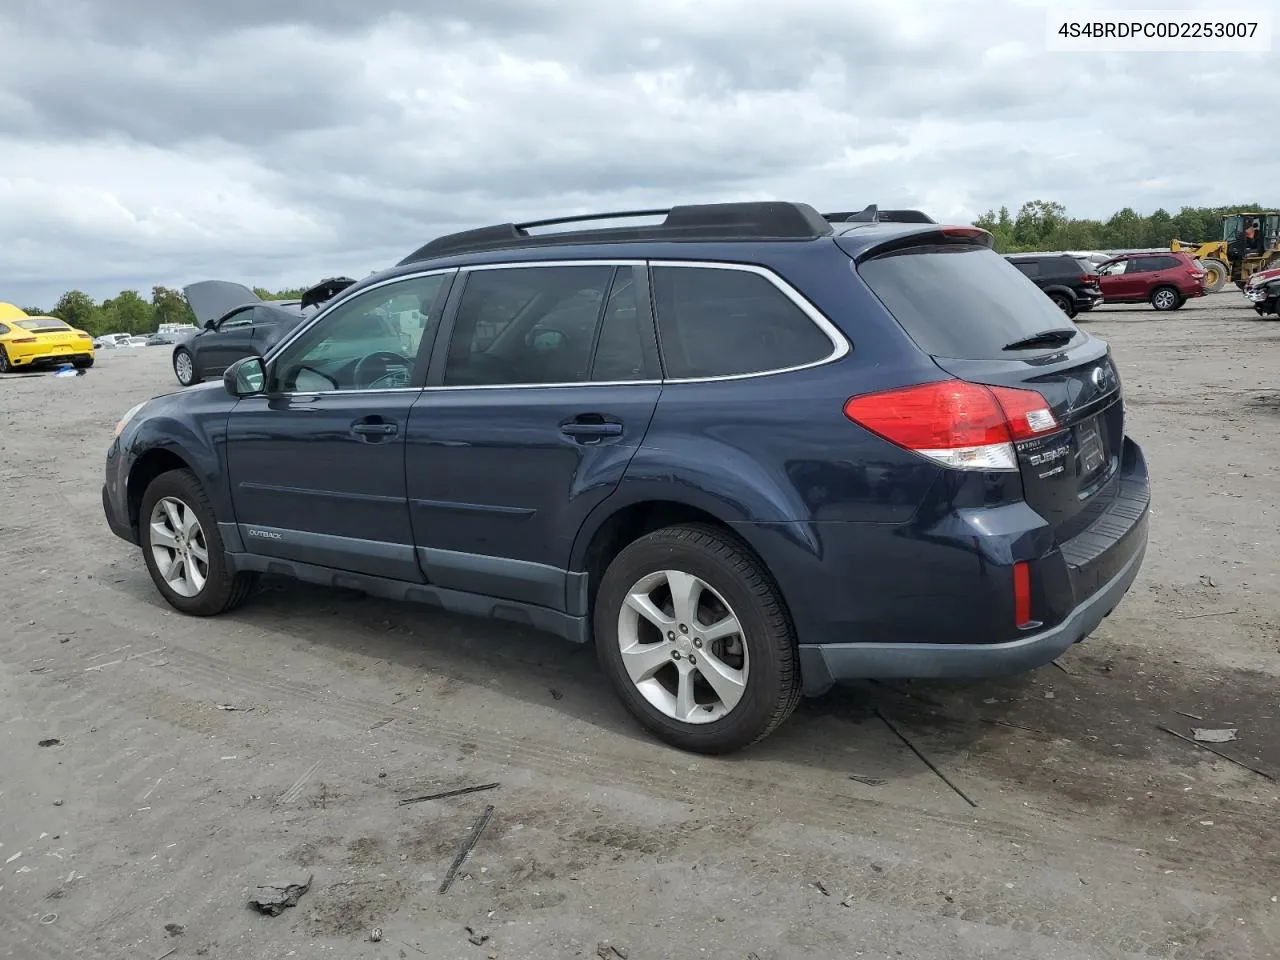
754,220
873,214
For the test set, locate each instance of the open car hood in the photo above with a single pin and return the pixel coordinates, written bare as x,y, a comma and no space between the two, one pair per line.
325,290
214,299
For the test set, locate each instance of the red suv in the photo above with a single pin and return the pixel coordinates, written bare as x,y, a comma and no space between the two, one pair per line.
1165,280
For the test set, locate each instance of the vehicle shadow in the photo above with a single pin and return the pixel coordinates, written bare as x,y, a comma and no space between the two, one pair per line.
1068,733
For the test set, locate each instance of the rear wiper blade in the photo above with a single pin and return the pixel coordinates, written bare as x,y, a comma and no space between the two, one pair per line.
1045,338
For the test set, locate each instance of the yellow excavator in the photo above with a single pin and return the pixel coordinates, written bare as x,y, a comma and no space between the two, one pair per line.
1250,242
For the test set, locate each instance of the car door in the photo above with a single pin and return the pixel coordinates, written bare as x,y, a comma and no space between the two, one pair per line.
317,464
227,342
538,397
1112,279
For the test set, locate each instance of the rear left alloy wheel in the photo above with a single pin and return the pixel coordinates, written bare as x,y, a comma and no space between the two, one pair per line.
5,365
694,637
183,549
1165,298
1064,304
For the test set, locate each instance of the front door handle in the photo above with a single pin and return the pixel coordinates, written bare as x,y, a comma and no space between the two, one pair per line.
365,429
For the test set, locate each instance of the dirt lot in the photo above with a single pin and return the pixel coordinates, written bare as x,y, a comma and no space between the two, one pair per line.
1094,833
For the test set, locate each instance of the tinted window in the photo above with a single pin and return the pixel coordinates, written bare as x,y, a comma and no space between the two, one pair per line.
1141,265
961,302
42,324
716,322
1029,267
241,318
523,325
623,348
364,343
3,329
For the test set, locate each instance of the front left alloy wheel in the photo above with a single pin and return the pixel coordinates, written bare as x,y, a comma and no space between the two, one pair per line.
183,550
694,637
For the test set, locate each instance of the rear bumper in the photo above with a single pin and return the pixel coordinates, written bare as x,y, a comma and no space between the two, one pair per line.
36,358
934,598
823,665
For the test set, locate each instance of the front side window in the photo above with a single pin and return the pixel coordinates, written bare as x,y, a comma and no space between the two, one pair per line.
369,342
241,318
717,322
538,325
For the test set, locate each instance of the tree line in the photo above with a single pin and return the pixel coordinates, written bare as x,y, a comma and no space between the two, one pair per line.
129,312
1045,225
1038,225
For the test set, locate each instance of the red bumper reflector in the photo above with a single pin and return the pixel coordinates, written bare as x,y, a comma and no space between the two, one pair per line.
1021,594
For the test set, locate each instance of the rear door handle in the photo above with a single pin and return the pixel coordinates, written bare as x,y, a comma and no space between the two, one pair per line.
590,431
374,429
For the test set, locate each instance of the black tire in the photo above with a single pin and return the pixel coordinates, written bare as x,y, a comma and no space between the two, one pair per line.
772,687
5,365
222,590
194,377
1216,275
1166,298
1063,303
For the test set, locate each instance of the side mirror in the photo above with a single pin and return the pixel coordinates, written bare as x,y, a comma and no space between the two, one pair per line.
211,324
246,377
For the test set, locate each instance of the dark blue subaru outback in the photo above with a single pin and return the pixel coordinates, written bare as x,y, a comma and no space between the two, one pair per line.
748,450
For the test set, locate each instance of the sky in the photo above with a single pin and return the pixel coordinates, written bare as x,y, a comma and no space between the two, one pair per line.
276,142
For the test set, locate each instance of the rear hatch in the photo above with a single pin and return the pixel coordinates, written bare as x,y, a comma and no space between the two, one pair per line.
982,321
53,337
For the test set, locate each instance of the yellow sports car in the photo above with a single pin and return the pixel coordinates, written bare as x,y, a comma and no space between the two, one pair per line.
27,341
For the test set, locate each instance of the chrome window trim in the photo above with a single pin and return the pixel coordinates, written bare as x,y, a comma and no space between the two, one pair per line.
840,345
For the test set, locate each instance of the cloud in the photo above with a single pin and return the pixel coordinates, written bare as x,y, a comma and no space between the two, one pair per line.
280,142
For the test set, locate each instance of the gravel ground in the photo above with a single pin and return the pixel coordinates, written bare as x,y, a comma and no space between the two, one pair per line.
1094,833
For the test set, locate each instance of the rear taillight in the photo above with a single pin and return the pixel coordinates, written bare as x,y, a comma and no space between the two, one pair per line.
1021,594
962,425
1089,278
84,336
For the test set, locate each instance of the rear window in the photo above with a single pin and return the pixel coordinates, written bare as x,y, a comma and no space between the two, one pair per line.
962,302
41,324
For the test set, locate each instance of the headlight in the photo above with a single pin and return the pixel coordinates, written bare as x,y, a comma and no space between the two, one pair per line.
133,412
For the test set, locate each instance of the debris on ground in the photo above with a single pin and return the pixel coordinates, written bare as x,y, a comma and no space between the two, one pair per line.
274,898
822,888
869,781
51,742
232,707
607,951
1206,735
1217,753
556,694
848,901
473,838
927,762
1189,716
477,939
451,793
175,929
375,935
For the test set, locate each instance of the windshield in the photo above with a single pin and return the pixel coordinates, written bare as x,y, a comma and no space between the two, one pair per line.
962,302
1232,227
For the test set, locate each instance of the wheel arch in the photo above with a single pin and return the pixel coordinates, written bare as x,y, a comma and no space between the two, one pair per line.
149,465
614,525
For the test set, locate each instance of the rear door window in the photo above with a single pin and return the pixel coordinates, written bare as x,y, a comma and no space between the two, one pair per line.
1030,267
961,302
722,322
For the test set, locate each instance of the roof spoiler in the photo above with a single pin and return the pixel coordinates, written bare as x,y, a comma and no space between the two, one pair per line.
873,214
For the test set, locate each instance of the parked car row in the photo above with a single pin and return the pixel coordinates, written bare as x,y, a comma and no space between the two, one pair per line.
749,451
1077,284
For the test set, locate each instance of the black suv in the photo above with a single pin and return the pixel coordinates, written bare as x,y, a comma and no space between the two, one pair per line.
749,451
1071,283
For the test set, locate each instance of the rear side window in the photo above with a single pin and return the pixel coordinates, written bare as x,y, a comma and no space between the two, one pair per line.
1030,267
962,302
720,322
